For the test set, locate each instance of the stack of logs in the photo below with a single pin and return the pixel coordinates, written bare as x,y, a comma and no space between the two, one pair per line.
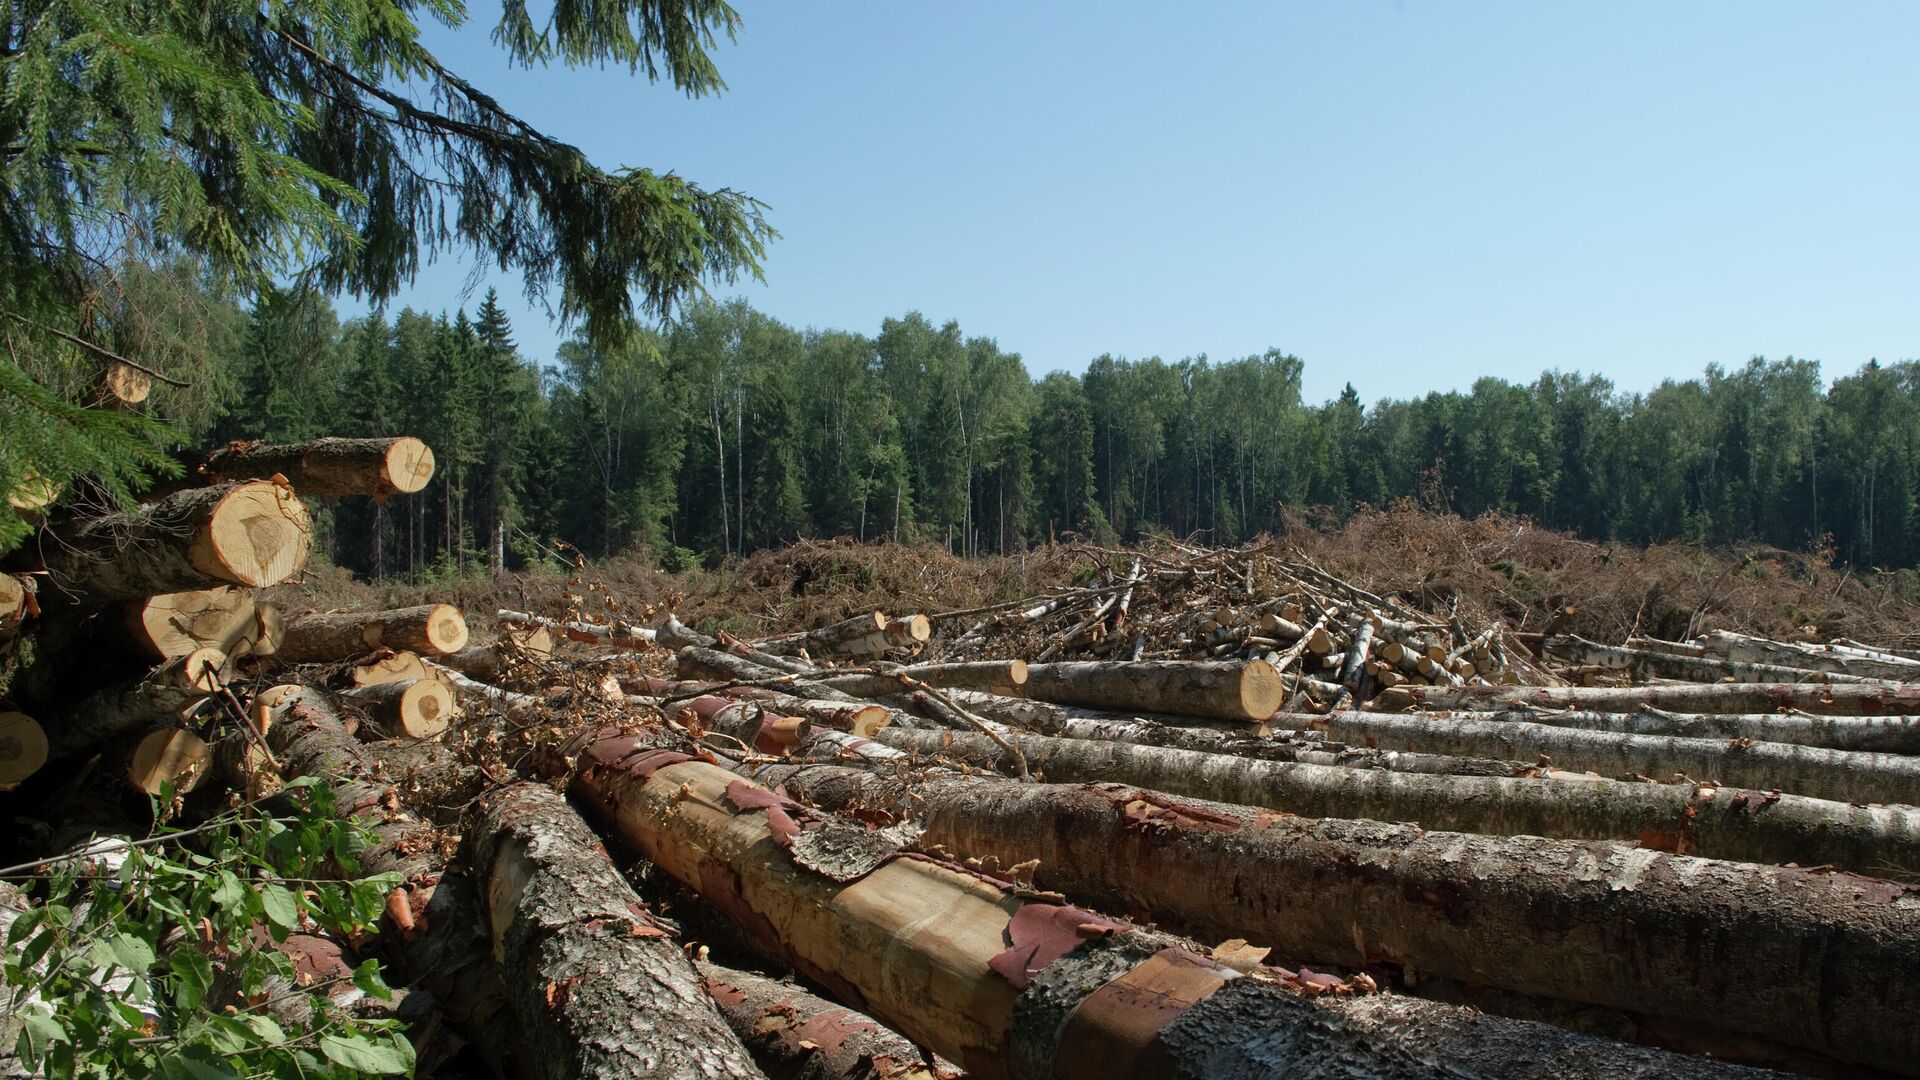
1220,814
122,635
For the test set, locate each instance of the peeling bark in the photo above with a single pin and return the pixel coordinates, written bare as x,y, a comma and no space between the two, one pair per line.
795,1035
1830,962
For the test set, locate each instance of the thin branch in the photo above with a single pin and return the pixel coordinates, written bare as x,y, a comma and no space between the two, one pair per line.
101,350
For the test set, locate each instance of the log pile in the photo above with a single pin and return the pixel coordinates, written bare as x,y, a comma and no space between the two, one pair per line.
1202,813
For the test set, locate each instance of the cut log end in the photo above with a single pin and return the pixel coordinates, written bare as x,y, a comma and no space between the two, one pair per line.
1017,672
32,493
425,709
175,624
916,627
446,630
168,756
202,671
257,535
123,385
13,601
23,748
867,720
398,667
409,465
1262,691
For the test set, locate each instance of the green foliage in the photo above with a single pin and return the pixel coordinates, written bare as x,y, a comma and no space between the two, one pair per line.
152,967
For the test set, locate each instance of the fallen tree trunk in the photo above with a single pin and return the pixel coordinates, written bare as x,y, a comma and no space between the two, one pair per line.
1227,691
1873,734
598,988
695,661
1001,985
1589,922
416,709
253,534
987,676
1819,699
624,637
794,1035
1746,826
1845,776
428,629
1652,663
1241,744
329,468
1830,658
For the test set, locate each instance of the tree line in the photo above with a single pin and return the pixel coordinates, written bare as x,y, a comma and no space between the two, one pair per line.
725,431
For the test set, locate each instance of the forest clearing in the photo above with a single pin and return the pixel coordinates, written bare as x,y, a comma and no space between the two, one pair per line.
1409,796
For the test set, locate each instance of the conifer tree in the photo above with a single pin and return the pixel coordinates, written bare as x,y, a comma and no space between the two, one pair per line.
323,141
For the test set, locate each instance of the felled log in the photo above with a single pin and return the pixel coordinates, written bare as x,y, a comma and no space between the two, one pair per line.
23,748
596,985
328,468
394,667
795,1035
988,676
1226,691
165,755
417,709
998,984
223,617
694,661
1875,734
1623,931
252,534
1847,776
427,629
1849,700
862,635
1722,823
167,695
1650,663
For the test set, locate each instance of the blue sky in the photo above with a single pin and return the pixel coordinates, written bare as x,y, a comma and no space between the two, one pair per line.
1406,195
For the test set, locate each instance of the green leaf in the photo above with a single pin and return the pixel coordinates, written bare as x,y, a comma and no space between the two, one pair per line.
276,903
193,975
264,1027
367,978
228,891
194,1063
359,1052
131,953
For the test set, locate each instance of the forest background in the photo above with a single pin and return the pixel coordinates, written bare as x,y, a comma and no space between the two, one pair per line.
726,431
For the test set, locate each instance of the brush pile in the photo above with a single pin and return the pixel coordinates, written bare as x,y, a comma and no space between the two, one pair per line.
1204,813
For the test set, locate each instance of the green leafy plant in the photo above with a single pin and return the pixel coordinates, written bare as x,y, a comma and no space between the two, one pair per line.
157,966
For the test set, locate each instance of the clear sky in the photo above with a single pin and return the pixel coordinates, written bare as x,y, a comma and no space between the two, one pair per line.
1406,195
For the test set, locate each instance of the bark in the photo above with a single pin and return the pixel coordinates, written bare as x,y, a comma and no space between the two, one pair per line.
596,986
795,1035
1228,691
483,662
329,468
1874,734
1681,938
417,709
1652,663
166,696
1723,823
427,629
1822,700
1001,985
23,748
694,660
253,534
1845,776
